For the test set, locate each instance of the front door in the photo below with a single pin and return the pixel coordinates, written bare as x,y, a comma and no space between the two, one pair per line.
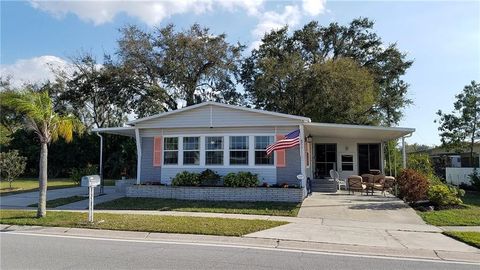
368,157
325,159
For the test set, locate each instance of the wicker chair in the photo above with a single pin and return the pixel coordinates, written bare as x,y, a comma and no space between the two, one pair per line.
355,183
379,182
389,184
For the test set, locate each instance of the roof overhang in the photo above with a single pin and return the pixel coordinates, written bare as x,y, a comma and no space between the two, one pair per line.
374,133
123,131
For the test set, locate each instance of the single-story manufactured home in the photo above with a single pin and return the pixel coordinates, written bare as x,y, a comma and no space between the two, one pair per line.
227,138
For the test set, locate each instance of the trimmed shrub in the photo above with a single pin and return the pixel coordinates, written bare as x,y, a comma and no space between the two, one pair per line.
240,179
412,186
76,174
209,178
186,179
443,195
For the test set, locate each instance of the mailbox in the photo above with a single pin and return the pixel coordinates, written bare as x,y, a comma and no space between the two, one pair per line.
90,181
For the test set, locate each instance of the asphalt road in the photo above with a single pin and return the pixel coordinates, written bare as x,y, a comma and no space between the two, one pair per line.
20,251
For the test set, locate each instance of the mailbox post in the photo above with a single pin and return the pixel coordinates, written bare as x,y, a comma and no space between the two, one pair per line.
90,181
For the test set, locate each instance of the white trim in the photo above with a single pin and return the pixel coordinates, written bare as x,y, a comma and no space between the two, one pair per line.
315,124
138,141
305,119
226,151
302,157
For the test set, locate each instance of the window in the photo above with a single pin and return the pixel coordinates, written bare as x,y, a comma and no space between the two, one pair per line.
261,143
170,150
191,150
238,150
213,150
347,162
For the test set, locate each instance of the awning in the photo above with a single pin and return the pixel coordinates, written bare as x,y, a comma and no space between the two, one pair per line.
356,131
123,131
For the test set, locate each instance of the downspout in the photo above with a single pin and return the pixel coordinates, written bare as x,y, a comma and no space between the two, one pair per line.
101,162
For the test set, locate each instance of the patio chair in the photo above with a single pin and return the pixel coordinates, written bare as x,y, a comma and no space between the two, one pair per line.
355,183
389,184
379,182
335,176
367,178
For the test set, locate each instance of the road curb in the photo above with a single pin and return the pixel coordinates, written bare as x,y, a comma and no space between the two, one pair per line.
248,242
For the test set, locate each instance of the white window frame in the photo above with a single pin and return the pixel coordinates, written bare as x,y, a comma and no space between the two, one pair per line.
214,150
165,150
199,150
260,149
226,151
248,150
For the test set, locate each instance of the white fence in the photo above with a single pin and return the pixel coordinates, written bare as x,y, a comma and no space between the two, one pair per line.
456,176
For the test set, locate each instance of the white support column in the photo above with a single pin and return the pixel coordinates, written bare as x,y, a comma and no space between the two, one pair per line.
382,157
302,155
138,141
404,154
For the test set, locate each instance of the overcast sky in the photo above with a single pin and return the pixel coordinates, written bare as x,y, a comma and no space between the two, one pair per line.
443,38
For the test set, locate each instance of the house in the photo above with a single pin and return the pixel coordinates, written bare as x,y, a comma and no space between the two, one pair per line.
455,158
227,138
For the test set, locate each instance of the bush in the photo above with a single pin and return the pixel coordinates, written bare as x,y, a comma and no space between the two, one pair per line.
209,178
241,179
412,185
475,179
443,195
420,163
76,174
186,179
12,164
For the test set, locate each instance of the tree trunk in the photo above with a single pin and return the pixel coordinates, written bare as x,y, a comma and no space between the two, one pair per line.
42,179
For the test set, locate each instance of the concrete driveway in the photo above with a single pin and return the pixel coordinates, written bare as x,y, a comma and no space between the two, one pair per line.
370,221
375,209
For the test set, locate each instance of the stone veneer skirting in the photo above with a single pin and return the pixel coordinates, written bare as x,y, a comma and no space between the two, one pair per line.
217,193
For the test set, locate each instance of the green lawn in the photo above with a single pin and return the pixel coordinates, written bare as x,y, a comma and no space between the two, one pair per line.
470,216
471,238
31,184
61,201
147,223
254,208
22,185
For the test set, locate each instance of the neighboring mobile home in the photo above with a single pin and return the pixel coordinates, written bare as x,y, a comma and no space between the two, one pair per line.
228,138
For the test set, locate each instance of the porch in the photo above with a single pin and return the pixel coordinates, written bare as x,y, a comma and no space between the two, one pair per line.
349,150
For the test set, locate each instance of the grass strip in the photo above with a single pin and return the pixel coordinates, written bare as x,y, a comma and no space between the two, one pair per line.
469,216
146,223
253,208
453,217
471,238
61,201
23,185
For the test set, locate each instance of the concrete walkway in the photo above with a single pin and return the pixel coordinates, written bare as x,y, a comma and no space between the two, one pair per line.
23,200
461,228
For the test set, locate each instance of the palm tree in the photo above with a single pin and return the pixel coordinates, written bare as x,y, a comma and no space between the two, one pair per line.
36,109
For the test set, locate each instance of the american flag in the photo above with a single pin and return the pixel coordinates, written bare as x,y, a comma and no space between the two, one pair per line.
291,139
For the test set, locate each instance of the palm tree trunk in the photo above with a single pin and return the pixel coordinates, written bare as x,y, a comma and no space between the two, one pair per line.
42,178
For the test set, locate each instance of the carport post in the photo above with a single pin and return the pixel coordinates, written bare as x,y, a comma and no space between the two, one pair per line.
404,154
101,162
139,154
302,156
